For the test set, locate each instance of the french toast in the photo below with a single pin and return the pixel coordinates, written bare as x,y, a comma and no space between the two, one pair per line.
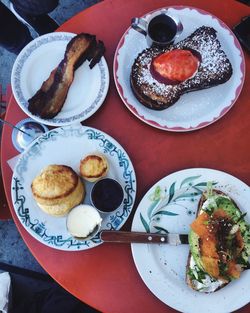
49,99
219,243
156,92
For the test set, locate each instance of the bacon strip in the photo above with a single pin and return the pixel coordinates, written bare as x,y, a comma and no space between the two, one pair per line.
49,99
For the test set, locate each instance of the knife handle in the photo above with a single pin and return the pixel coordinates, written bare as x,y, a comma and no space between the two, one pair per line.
128,237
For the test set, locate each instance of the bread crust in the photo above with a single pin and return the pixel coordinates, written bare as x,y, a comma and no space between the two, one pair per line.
214,69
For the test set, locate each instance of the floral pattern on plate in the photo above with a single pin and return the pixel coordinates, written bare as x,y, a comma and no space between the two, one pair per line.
165,200
170,206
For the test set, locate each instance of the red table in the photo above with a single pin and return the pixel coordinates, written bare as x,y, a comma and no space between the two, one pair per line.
106,277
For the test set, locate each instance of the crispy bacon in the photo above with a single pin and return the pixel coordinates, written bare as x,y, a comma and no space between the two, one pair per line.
49,99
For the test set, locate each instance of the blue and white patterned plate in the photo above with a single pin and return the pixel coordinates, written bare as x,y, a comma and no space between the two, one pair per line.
68,145
170,206
33,66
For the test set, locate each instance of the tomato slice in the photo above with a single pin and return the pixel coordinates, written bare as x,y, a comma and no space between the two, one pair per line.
176,65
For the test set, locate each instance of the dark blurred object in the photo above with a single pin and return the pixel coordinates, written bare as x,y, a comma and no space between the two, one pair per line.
34,292
247,2
15,34
3,202
35,15
242,32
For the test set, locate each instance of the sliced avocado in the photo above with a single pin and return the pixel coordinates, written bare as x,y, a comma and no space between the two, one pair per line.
237,216
229,207
193,240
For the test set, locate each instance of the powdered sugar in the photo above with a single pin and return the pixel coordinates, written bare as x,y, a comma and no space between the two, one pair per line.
145,77
214,68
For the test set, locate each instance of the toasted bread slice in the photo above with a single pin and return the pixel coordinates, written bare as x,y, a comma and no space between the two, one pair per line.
214,69
219,243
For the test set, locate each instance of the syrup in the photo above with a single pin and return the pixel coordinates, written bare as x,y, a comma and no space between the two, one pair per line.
162,29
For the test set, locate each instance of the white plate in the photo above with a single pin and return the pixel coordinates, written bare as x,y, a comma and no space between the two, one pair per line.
68,145
193,110
34,65
162,267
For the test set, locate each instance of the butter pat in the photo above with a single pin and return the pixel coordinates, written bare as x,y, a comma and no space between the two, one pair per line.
83,221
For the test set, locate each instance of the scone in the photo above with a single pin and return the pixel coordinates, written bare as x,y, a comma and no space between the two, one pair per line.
57,189
93,167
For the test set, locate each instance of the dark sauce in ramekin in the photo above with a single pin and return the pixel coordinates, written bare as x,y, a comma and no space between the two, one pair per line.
107,195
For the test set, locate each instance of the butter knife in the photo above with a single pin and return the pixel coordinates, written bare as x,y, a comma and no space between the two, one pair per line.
141,237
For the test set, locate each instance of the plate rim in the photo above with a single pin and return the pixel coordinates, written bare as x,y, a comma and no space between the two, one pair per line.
77,245
18,65
153,123
134,246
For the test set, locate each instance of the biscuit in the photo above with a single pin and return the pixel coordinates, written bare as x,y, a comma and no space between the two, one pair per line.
57,189
93,167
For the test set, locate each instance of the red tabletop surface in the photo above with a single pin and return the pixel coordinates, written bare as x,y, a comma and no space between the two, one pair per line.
105,277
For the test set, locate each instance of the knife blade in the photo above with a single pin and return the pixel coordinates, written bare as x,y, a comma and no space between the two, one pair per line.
141,237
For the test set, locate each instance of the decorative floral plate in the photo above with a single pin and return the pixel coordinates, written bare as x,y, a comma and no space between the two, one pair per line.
170,206
33,66
68,145
193,110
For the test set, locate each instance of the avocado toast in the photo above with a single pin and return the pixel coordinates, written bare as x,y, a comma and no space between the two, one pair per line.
219,242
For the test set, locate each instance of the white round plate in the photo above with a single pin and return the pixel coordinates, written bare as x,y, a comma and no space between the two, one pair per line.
170,206
67,146
193,110
33,66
